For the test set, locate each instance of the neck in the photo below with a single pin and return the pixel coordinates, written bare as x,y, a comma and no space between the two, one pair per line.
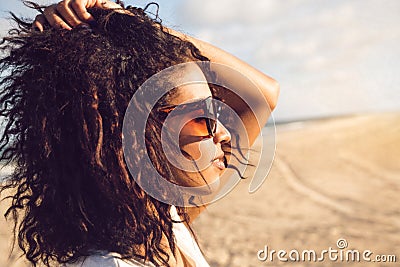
194,212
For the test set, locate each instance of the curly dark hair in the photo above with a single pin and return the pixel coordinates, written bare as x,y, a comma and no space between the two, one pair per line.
63,95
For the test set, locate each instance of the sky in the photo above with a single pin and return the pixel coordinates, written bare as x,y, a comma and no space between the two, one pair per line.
330,57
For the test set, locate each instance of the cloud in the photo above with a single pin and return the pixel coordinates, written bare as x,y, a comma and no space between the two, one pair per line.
4,26
227,11
330,57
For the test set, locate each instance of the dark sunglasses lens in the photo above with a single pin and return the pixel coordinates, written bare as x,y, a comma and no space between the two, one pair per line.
211,126
204,114
211,116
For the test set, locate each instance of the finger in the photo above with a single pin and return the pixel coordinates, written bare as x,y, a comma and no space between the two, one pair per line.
56,22
107,4
53,19
80,8
39,22
68,14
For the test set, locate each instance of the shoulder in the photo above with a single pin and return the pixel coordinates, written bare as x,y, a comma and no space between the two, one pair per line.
106,260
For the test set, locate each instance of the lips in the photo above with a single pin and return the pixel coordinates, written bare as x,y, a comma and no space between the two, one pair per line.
220,162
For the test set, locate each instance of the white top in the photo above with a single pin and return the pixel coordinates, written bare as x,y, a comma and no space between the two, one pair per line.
107,260
184,241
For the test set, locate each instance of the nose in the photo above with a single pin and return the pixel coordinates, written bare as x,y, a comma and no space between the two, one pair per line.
222,135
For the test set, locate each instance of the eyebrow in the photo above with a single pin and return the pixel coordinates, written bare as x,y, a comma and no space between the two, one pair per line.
194,100
172,106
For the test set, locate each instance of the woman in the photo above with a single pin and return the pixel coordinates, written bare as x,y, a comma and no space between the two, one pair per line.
64,95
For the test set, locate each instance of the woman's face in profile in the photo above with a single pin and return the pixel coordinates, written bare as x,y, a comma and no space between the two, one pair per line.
193,120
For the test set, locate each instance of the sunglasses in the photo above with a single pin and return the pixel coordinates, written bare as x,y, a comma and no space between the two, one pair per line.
203,116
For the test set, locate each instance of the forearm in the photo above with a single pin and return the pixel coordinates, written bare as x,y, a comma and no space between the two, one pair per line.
268,86
252,94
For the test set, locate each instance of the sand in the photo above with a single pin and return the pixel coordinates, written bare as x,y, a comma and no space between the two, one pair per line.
331,179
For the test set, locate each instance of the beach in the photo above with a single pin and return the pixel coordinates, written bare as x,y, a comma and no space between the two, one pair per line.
331,179
334,185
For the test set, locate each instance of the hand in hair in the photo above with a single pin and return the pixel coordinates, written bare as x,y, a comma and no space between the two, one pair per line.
70,13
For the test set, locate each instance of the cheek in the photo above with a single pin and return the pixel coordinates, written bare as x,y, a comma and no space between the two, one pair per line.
203,151
192,149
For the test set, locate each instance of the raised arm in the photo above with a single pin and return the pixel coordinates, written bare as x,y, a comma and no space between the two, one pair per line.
262,101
